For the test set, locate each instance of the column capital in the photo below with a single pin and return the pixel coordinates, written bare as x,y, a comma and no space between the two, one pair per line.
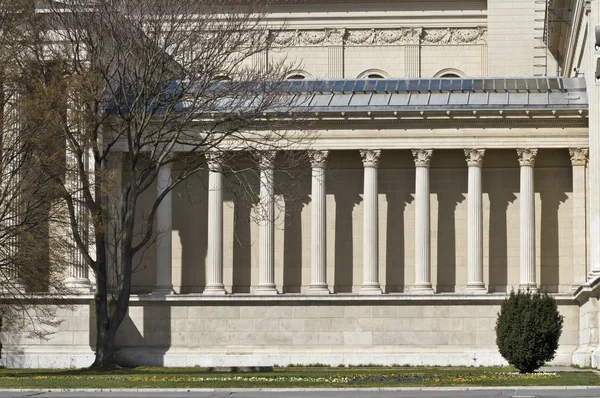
213,160
579,156
474,157
318,158
267,159
370,157
527,156
422,157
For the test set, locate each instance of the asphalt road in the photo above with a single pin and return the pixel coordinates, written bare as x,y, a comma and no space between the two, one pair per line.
495,393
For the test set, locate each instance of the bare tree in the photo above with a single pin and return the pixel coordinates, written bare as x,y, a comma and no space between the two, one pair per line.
33,257
161,82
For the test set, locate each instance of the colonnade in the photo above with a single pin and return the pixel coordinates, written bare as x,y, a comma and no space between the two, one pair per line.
370,285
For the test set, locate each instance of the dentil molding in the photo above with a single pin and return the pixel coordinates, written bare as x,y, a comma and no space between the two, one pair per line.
373,36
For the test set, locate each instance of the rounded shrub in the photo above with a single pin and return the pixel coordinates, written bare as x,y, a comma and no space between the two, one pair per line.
527,330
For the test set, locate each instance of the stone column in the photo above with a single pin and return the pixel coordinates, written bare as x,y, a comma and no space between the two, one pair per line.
78,274
594,141
579,157
266,275
527,213
318,280
164,225
11,156
422,159
475,222
214,263
114,163
370,283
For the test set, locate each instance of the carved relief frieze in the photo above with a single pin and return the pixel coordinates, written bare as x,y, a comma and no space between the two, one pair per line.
400,36
372,36
454,36
321,37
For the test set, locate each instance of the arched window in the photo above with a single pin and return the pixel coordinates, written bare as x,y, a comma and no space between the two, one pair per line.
299,74
221,78
374,74
450,73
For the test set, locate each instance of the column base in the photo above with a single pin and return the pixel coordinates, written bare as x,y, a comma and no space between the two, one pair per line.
163,291
319,289
370,288
266,290
216,290
475,288
532,287
422,288
79,285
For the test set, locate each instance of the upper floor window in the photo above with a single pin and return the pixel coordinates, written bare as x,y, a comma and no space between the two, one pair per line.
374,74
450,73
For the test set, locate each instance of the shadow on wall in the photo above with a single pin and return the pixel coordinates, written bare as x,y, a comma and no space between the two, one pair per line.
154,338
296,200
190,218
395,251
347,195
446,246
500,182
243,200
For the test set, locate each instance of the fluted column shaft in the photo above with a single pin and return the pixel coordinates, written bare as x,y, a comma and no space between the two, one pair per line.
214,264
78,278
579,157
370,284
475,222
266,276
527,213
422,159
115,165
164,225
318,281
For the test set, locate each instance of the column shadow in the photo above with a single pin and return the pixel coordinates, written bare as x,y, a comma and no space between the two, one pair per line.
157,333
190,219
242,245
344,248
549,240
395,250
292,242
446,245
499,198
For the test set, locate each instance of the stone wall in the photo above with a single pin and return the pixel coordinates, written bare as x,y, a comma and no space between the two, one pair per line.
237,331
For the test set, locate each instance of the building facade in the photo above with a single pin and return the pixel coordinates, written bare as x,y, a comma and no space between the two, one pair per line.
450,167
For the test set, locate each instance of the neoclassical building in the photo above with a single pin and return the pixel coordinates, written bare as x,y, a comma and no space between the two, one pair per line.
457,159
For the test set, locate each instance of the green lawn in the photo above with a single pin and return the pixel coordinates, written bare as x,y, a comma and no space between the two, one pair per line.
288,377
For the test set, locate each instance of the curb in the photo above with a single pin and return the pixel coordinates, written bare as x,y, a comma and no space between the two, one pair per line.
234,390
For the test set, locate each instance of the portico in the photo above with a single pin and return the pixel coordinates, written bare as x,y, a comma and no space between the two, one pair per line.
451,220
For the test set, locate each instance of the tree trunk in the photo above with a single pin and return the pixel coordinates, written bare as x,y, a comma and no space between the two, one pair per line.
105,338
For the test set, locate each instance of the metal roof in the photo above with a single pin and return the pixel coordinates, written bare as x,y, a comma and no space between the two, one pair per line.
406,95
